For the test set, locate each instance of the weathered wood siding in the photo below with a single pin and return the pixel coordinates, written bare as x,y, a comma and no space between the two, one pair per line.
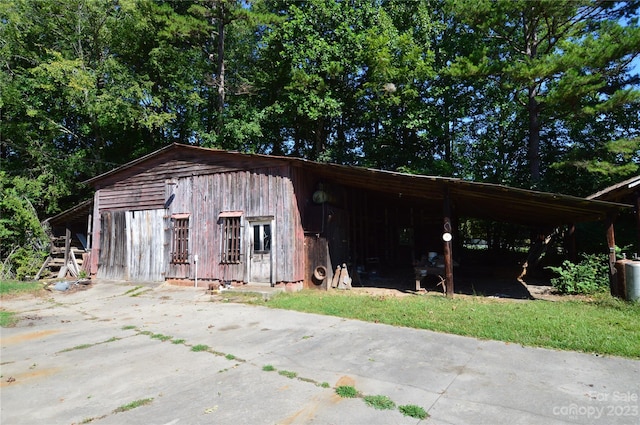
138,246
132,245
259,193
112,263
145,245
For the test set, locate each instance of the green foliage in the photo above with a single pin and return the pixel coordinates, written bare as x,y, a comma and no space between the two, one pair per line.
133,405
588,276
347,391
413,411
289,374
23,238
11,287
268,368
7,319
380,402
200,347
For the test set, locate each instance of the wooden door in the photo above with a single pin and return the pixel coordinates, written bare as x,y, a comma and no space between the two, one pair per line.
145,242
260,258
112,260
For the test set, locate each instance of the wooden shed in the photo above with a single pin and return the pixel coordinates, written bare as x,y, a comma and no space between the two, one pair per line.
206,215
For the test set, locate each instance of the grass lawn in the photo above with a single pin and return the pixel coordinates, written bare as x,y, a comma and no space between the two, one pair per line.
603,326
10,288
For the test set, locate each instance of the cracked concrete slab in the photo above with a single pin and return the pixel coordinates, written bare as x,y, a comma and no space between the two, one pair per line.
78,357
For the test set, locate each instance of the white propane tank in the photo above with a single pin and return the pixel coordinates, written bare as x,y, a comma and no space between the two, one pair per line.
632,280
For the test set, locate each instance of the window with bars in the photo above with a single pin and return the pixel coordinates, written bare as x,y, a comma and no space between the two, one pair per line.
180,245
231,239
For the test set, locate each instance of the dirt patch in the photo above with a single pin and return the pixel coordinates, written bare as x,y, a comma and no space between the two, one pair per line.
16,339
18,378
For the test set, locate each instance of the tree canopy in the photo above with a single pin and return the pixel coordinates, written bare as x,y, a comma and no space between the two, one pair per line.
537,94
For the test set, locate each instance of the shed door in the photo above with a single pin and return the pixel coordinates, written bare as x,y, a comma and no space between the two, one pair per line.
112,262
145,240
260,252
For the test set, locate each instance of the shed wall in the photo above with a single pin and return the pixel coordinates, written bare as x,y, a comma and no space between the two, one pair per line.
170,188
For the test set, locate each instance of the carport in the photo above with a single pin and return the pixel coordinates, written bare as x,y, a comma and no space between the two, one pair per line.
451,199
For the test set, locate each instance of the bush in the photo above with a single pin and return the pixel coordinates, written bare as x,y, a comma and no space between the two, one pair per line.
589,276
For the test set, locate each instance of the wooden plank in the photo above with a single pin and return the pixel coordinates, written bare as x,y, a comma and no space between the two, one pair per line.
44,266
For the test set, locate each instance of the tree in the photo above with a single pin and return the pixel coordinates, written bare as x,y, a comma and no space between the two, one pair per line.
560,59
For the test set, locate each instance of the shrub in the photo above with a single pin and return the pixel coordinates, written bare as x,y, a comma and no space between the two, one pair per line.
589,276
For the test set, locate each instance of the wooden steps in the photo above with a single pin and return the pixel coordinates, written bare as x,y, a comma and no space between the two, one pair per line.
58,263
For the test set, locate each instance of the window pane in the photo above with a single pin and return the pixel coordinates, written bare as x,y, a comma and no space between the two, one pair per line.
266,246
256,238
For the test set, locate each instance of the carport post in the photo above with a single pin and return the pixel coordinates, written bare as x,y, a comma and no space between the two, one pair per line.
447,230
611,243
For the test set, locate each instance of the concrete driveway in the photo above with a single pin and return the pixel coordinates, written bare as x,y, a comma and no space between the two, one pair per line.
92,356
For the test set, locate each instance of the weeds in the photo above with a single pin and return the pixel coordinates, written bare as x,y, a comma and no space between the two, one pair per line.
268,368
200,347
161,337
347,391
133,405
380,402
288,374
413,411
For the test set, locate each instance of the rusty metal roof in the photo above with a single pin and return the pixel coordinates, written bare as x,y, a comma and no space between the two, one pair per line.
469,199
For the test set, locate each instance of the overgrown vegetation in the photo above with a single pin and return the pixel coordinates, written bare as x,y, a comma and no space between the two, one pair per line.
200,347
602,325
380,402
413,411
7,319
133,405
347,391
289,374
589,276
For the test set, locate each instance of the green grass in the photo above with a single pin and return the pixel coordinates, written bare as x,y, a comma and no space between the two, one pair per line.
133,405
7,319
289,374
603,326
268,368
413,411
380,402
200,347
347,391
161,337
14,287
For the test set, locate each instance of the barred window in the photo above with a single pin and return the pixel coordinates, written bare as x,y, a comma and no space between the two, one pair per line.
231,239
180,244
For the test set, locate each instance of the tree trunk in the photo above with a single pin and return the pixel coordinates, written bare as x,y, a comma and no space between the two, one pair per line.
533,109
220,71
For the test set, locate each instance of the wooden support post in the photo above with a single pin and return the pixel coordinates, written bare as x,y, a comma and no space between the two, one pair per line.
637,205
448,254
571,244
611,244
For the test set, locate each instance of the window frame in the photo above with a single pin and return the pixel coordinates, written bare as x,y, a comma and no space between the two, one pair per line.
180,239
231,238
